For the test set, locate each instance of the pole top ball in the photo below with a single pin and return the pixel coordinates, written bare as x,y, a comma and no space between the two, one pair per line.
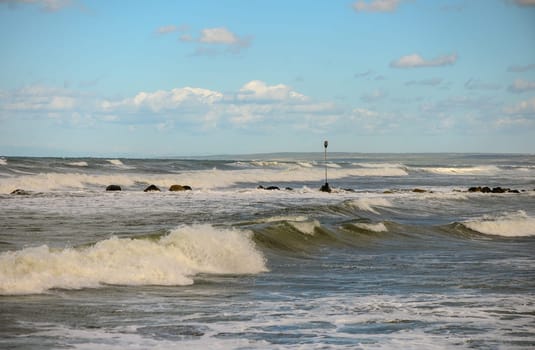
325,143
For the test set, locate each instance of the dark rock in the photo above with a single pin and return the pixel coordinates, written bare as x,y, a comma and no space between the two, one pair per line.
20,192
388,192
325,188
486,189
513,191
499,190
178,188
289,189
475,189
113,188
419,190
152,188
269,188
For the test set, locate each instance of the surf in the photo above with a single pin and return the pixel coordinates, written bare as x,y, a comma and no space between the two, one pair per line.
173,259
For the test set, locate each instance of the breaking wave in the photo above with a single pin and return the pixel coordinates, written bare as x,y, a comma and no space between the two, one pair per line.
173,259
369,204
375,227
81,164
517,224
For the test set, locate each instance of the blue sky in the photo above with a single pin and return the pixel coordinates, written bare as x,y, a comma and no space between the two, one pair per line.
171,78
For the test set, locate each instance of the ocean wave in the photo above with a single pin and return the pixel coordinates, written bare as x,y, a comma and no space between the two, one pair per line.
369,204
173,259
3,161
197,179
516,224
471,170
374,227
116,162
81,164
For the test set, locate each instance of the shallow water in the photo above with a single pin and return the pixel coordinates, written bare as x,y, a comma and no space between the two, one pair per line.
372,265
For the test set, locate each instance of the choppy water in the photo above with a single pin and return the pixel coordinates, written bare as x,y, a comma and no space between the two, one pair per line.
372,265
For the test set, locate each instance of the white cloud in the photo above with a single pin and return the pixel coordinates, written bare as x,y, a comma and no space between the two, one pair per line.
162,100
519,86
416,61
219,35
38,98
257,90
372,121
212,39
514,122
376,5
523,107
253,105
166,29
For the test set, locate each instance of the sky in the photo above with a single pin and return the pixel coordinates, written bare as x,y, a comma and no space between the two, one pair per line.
184,78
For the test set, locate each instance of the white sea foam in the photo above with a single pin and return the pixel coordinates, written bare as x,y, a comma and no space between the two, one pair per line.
172,260
307,227
81,164
515,224
3,161
369,204
305,164
116,162
474,170
377,227
200,179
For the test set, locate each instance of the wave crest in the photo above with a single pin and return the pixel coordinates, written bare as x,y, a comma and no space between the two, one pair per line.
171,260
517,224
369,204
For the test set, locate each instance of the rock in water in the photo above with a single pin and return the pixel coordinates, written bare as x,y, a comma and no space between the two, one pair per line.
113,188
178,188
152,188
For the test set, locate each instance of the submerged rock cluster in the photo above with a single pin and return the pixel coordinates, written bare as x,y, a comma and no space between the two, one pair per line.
153,188
487,189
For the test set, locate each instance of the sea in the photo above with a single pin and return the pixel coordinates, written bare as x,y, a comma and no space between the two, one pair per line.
399,255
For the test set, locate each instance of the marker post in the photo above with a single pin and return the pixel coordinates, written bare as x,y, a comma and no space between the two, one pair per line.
325,187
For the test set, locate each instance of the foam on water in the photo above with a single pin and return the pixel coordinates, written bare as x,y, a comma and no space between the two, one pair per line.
473,170
3,161
376,227
204,179
81,164
517,224
171,260
115,162
369,204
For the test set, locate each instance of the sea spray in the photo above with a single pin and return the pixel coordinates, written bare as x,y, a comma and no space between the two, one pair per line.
171,260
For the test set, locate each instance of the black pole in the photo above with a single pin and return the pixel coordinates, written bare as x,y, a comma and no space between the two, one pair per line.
325,187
